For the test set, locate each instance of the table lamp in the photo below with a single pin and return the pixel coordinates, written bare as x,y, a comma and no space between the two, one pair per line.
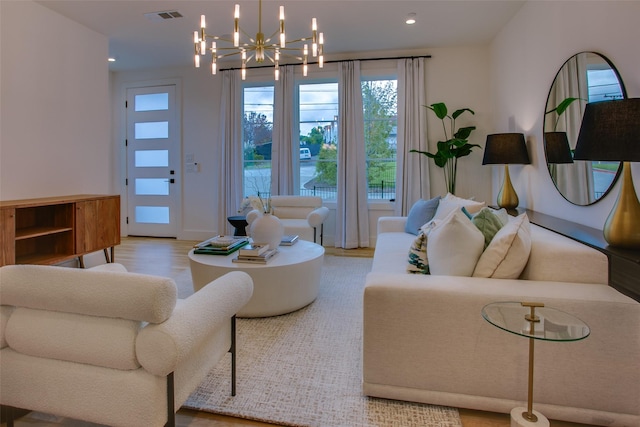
506,149
556,146
610,131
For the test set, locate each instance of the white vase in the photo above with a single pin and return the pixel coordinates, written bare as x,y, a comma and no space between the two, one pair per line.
268,229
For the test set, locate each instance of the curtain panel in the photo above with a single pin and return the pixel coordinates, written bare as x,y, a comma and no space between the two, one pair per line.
284,136
352,214
230,158
412,169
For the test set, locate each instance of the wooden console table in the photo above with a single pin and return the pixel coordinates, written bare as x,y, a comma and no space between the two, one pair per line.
52,230
624,264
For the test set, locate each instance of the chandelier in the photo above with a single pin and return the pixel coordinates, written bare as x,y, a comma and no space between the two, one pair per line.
258,48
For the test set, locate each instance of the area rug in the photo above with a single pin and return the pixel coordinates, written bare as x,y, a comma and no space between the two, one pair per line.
305,368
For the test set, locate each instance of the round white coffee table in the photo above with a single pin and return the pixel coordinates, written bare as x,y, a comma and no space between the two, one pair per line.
287,282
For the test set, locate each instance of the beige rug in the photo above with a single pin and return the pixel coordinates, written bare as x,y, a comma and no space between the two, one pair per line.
305,368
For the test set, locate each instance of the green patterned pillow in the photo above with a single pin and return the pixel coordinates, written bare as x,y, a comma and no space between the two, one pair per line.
489,222
418,260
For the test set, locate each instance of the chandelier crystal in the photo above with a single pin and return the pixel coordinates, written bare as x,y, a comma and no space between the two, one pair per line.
258,48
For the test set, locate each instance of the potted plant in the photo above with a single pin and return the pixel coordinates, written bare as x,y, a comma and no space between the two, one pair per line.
455,145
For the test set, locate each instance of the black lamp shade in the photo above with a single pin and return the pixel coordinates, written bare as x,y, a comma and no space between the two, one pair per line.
556,145
610,131
505,148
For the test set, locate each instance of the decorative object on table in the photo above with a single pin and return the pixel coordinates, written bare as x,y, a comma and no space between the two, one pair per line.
611,131
220,245
257,259
454,146
253,250
556,147
239,223
259,48
266,229
548,324
259,202
289,240
506,148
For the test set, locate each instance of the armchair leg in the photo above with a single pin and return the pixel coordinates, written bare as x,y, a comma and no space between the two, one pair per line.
315,231
232,350
171,414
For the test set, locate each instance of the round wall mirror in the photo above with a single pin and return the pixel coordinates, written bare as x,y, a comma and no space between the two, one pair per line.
585,77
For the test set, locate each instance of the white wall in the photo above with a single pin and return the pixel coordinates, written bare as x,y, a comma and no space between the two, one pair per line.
525,57
55,110
457,76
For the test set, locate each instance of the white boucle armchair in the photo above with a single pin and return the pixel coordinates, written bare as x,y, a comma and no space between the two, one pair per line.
111,347
301,215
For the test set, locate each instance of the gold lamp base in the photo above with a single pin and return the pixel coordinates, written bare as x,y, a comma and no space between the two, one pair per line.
622,227
507,197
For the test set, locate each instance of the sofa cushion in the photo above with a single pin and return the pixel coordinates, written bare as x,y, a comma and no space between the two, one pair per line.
420,213
97,293
418,259
489,223
454,245
508,253
92,340
450,203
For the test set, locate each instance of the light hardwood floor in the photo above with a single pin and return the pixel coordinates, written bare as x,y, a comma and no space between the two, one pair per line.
168,257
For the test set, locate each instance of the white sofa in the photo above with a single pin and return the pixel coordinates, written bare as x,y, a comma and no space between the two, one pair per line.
425,340
111,347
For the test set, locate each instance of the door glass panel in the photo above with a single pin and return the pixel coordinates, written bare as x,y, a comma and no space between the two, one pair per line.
152,214
152,102
152,130
152,158
152,187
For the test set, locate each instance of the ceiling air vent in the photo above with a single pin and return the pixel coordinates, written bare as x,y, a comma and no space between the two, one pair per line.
163,16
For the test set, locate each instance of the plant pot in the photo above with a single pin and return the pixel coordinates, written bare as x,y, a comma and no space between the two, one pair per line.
267,229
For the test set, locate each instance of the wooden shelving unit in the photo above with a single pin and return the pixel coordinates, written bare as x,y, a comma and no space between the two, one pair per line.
55,229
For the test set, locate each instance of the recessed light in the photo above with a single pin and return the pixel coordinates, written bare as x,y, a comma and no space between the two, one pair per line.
411,19
112,59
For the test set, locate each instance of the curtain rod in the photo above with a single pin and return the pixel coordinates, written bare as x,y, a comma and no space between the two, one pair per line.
335,61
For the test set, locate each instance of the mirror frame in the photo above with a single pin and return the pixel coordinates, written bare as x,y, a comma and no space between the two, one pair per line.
544,123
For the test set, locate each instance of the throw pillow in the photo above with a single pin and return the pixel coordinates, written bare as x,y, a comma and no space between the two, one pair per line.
488,223
454,246
450,203
508,253
418,260
420,213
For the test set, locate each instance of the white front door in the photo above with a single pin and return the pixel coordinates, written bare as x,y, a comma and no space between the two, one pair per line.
153,161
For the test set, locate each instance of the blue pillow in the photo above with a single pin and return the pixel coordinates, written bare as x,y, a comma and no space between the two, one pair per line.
421,213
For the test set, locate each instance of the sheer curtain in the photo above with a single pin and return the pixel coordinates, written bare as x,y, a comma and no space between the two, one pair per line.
575,181
283,180
230,158
412,171
352,216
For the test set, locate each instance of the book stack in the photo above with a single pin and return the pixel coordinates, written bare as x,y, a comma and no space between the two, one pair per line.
220,245
289,239
257,254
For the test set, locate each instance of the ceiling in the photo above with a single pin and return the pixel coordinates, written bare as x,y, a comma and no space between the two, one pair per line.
352,28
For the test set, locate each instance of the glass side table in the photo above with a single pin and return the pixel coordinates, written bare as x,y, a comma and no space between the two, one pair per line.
534,321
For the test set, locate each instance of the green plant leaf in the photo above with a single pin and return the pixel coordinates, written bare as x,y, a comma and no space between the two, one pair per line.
440,109
463,133
457,113
465,150
440,160
562,107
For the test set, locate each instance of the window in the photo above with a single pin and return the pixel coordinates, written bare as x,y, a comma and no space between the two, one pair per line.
257,127
318,124
379,100
603,85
